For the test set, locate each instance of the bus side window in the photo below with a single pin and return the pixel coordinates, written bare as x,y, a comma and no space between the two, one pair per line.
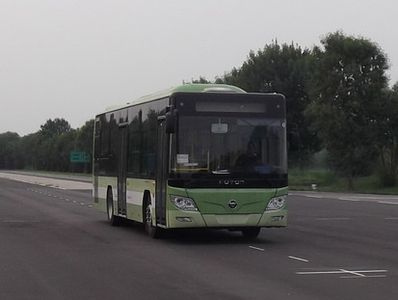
134,144
97,138
105,136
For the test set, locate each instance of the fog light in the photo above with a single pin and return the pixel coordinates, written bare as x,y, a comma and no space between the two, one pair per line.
183,219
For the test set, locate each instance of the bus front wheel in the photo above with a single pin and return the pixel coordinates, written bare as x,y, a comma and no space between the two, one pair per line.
152,231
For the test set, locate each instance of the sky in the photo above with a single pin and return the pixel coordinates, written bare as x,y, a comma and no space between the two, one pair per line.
73,58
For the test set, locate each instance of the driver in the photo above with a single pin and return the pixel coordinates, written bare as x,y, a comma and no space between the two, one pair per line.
248,159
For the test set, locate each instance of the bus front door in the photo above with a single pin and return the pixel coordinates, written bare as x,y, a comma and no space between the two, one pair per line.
122,170
161,173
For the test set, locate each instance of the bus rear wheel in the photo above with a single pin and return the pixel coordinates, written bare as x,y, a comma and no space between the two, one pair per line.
251,232
152,231
110,209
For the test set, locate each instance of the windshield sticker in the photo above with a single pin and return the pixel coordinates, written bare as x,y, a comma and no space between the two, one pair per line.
182,158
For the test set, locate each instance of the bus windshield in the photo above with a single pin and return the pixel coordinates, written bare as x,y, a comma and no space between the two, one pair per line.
222,145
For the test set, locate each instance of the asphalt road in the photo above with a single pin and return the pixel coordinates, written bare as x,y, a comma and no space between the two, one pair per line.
54,245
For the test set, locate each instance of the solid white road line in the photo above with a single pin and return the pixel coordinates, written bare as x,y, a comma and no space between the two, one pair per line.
313,196
387,202
341,271
356,277
349,199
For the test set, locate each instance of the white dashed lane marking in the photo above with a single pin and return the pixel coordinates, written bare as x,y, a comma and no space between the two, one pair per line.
387,202
60,198
256,248
299,258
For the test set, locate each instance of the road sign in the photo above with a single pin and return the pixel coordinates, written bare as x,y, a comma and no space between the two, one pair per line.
79,157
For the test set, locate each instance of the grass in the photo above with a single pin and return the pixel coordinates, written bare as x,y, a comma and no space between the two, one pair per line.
328,181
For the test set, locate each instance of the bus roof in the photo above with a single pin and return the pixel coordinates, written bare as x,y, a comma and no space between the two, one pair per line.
186,88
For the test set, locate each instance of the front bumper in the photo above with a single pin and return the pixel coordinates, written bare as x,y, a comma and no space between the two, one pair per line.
194,219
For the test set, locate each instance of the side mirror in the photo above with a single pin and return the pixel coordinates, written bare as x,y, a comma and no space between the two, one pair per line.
171,121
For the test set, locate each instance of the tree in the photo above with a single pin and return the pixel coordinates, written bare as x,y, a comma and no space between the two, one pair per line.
47,149
346,89
201,80
62,147
283,69
29,149
54,127
84,140
387,137
49,155
9,150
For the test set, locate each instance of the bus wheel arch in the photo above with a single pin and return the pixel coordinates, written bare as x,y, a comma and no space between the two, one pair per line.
145,199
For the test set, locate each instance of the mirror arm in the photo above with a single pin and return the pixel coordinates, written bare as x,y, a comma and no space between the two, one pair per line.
171,121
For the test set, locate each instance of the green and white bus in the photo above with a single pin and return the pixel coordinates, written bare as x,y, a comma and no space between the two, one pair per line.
194,156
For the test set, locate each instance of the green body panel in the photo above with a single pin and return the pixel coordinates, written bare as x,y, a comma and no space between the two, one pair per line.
103,183
185,88
281,191
203,87
134,194
196,218
235,220
213,209
135,189
215,201
134,212
274,218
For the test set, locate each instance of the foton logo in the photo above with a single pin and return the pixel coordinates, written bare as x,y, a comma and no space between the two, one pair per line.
231,182
232,204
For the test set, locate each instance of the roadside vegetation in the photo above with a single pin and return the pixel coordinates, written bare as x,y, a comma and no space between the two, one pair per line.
340,110
48,149
324,180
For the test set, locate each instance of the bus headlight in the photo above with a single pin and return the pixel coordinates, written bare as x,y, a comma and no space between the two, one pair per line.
183,203
276,203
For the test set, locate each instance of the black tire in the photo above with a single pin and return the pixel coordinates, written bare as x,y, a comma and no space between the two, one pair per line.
110,210
251,232
153,231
